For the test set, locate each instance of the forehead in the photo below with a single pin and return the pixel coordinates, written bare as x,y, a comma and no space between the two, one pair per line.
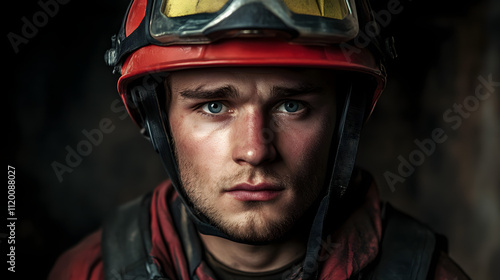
271,76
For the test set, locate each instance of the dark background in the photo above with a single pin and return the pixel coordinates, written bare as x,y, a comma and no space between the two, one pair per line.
57,88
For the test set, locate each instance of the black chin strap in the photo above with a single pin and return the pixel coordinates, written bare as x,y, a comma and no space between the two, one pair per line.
343,152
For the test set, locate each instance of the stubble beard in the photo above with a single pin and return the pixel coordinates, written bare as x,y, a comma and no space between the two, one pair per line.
254,227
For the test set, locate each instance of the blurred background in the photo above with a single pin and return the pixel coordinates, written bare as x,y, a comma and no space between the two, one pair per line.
58,91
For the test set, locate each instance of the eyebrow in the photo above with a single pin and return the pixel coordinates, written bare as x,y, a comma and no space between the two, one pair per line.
228,92
223,92
303,88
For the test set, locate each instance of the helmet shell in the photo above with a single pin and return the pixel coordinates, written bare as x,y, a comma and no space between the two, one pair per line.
153,59
245,52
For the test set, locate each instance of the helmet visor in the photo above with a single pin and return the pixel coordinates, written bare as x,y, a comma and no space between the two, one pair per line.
301,21
180,22
336,9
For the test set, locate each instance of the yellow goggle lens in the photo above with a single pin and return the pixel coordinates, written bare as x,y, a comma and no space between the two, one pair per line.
336,9
179,8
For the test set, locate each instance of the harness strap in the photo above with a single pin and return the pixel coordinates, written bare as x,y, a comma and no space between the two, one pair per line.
407,251
126,243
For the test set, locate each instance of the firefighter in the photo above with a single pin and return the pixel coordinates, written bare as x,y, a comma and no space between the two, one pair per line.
255,109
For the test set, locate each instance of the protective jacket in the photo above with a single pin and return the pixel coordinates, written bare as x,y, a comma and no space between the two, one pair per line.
152,238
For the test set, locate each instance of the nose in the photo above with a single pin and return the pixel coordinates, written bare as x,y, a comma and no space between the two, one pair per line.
252,141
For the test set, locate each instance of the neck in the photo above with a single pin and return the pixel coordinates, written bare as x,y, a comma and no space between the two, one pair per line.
254,258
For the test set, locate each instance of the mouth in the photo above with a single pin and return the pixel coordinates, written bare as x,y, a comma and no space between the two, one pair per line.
259,192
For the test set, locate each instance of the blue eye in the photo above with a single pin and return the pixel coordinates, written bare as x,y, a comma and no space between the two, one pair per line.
290,106
214,107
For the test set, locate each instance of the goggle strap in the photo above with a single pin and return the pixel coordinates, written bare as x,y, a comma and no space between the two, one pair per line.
123,45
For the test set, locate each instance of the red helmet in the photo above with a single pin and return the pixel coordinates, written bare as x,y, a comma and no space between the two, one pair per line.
143,48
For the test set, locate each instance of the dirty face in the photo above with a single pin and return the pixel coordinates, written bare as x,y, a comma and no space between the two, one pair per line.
252,144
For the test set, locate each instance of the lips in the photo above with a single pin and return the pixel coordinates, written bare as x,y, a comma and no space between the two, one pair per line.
259,192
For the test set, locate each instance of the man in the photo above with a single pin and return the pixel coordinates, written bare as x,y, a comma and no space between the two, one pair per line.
255,108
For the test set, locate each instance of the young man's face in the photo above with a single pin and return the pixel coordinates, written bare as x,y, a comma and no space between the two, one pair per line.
252,144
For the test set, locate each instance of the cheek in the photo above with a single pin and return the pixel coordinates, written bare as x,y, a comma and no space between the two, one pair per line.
306,145
199,145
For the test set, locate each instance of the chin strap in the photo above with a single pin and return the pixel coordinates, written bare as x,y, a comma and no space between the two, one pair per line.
343,154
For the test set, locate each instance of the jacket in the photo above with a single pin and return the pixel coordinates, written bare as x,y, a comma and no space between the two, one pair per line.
159,241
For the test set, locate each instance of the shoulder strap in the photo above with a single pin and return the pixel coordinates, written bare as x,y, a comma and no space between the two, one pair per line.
407,250
126,243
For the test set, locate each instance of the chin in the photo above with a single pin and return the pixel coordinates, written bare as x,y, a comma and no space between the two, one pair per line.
257,228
